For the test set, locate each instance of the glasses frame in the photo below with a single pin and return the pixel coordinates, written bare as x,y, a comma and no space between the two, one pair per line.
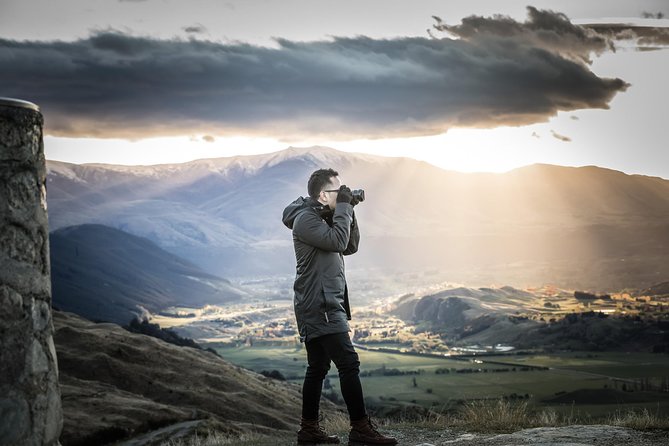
331,190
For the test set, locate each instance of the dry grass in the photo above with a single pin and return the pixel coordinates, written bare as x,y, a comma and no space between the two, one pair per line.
500,415
639,419
336,423
213,438
333,422
505,416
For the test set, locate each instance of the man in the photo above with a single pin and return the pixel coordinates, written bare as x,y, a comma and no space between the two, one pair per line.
324,230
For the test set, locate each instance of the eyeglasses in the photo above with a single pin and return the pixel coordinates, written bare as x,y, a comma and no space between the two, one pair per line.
331,190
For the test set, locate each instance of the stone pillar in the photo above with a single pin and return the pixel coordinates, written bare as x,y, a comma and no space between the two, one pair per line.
30,407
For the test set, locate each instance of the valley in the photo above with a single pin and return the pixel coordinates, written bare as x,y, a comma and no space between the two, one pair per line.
412,365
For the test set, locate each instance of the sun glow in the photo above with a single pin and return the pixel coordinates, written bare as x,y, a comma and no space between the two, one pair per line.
165,150
465,150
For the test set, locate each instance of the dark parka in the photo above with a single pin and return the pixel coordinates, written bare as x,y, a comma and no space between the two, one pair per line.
321,239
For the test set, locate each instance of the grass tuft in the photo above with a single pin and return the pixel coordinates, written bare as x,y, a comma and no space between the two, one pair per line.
213,438
497,416
638,419
336,423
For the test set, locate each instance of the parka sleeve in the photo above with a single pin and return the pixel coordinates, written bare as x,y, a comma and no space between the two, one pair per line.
312,230
354,239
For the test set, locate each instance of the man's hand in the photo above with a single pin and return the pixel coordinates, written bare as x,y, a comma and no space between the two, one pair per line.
345,195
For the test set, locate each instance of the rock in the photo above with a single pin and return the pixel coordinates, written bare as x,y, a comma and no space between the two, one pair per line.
30,406
14,419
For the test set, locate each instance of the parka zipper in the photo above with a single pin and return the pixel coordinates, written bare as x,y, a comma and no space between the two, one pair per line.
326,317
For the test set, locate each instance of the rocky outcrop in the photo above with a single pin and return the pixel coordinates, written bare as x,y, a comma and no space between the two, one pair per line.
30,406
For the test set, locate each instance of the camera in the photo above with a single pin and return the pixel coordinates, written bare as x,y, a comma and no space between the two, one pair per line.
358,194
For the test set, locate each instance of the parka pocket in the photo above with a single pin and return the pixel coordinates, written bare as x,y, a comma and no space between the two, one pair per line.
333,302
333,297
333,291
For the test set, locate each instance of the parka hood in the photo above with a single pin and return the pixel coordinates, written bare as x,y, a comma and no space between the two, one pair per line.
297,206
294,208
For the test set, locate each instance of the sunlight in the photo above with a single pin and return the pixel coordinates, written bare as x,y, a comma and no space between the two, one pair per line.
480,150
165,150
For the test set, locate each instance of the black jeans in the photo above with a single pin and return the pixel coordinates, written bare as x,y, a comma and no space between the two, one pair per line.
339,349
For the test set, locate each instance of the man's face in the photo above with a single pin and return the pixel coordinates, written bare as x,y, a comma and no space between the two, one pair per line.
330,198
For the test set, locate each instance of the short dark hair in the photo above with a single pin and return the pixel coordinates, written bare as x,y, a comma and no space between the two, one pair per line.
318,180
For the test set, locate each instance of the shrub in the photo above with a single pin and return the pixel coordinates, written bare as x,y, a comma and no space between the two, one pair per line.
145,327
274,374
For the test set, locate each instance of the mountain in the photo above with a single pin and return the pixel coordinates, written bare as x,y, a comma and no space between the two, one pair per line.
102,273
468,316
116,384
660,289
584,227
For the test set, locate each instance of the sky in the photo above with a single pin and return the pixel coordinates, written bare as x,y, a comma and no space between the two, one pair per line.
465,85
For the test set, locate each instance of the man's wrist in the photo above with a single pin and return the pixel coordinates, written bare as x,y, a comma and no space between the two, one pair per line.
344,206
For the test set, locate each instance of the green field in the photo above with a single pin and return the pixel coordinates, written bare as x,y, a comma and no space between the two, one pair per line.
619,365
569,372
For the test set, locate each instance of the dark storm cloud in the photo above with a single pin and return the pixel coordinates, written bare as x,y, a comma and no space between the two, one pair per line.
547,30
117,85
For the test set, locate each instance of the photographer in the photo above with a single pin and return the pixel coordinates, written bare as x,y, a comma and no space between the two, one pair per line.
324,230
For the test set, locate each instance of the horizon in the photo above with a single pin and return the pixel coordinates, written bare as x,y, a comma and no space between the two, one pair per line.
358,153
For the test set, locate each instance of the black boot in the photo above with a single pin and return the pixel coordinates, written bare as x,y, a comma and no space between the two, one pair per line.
312,433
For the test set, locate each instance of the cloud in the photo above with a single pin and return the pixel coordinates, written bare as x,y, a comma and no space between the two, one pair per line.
195,29
652,15
560,137
113,84
547,30
643,36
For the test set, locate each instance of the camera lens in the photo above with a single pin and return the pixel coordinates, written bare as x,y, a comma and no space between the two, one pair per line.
359,194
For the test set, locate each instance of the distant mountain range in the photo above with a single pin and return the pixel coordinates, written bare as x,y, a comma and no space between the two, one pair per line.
587,227
102,273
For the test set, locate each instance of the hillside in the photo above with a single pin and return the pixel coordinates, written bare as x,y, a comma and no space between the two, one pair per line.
489,316
584,227
102,273
116,384
139,390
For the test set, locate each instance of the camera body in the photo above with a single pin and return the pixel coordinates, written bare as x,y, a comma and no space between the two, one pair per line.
325,212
